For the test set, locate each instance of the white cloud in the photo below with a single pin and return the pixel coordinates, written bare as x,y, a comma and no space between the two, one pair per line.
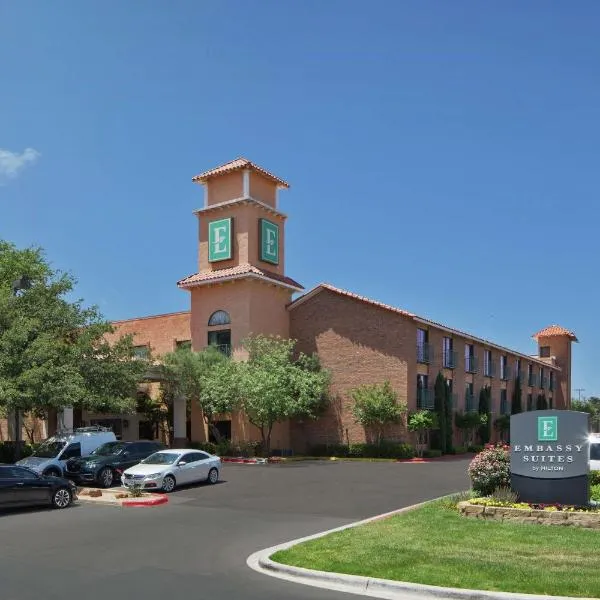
12,163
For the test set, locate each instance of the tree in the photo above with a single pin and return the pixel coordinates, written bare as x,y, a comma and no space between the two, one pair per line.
516,406
440,391
590,405
469,422
376,406
273,387
502,426
207,377
449,420
421,423
53,351
485,401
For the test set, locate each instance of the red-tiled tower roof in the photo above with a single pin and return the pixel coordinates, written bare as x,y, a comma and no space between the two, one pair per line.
555,331
237,165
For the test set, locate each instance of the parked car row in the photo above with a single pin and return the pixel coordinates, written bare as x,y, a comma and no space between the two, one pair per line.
93,456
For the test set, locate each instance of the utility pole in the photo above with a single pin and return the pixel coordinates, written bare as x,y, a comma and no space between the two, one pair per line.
579,390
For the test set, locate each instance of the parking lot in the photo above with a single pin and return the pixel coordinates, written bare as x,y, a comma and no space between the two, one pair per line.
196,546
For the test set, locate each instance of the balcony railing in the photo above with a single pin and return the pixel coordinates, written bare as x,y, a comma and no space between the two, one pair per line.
449,359
544,383
471,364
505,373
470,403
489,369
425,399
424,353
533,380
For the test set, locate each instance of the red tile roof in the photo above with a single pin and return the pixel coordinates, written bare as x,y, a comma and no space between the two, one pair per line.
553,331
237,272
236,165
327,286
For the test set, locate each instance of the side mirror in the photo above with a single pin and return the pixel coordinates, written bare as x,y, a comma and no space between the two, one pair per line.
181,463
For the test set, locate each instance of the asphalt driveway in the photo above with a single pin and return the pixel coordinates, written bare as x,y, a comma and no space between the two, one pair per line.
197,545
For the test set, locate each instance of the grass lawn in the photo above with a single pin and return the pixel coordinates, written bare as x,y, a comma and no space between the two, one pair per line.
434,545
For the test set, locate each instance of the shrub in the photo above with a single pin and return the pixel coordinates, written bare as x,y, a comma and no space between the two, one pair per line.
7,451
505,494
475,448
204,446
490,469
432,453
451,502
594,477
595,492
383,450
458,450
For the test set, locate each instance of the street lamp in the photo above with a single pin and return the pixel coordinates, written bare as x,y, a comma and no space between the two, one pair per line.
23,283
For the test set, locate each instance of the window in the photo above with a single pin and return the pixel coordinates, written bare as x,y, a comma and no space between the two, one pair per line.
448,351
488,367
71,451
183,345
518,368
469,398
503,402
544,351
219,317
141,351
542,378
16,473
424,395
470,360
221,340
551,381
194,457
529,401
423,349
504,371
530,376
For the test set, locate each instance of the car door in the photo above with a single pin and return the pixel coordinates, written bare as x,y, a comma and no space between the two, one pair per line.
32,489
8,487
73,450
200,466
133,455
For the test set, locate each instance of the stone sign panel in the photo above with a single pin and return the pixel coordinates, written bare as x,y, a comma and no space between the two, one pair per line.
549,456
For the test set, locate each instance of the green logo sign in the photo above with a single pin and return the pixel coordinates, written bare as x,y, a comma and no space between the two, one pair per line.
269,241
219,240
547,429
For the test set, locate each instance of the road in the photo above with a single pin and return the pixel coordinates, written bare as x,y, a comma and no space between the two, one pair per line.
196,546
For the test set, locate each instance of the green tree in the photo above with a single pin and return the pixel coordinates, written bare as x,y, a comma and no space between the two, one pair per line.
273,386
448,408
440,391
421,423
485,401
376,406
469,422
53,351
502,426
590,405
207,378
516,404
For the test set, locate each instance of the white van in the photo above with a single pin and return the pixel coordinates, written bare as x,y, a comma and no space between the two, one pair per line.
595,452
51,456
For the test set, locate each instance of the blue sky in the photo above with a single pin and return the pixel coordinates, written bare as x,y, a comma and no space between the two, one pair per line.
443,156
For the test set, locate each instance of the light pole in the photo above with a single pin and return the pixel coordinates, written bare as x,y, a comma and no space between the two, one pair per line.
23,283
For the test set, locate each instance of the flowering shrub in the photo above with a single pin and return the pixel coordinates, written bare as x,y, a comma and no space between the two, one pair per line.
547,507
490,469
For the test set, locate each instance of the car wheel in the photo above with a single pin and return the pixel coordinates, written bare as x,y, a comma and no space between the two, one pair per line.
213,476
106,477
168,484
53,473
61,498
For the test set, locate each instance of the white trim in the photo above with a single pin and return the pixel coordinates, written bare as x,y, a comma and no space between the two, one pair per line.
248,275
239,201
246,179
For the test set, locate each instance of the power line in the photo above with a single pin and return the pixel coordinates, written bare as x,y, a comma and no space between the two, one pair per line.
579,390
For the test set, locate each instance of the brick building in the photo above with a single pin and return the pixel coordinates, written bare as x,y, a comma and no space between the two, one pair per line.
241,287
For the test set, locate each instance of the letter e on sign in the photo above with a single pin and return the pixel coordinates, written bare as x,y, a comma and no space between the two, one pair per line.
269,241
219,240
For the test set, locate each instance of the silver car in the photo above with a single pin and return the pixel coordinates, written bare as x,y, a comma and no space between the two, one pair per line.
167,469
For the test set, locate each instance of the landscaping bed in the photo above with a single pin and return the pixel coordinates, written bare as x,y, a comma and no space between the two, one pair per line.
120,497
435,545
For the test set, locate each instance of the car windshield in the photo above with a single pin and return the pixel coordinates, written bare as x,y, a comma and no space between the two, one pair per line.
595,451
109,449
49,449
161,458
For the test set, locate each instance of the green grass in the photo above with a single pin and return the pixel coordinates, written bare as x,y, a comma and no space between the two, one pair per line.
436,546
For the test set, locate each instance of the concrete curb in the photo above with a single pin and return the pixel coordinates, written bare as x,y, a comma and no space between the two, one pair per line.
159,499
370,586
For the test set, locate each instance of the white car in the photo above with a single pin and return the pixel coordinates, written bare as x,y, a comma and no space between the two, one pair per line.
167,469
595,452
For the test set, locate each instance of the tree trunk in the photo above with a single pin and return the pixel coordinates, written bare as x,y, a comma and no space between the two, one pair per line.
215,431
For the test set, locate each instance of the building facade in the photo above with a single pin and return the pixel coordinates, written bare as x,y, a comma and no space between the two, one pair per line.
241,287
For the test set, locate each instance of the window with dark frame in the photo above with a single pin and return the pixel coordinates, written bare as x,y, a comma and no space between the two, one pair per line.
544,351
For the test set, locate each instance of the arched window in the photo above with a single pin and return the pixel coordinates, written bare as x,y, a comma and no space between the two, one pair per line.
219,317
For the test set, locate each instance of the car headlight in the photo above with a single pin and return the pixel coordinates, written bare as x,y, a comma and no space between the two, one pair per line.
153,475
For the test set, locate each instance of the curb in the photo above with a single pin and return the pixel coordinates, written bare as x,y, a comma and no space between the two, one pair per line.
370,586
162,499
245,461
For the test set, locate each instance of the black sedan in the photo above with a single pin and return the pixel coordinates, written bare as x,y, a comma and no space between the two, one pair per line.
20,486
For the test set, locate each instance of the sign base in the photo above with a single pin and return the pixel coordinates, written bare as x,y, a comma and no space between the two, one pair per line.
568,490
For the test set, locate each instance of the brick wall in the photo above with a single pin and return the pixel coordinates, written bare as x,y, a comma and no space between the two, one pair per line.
359,344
